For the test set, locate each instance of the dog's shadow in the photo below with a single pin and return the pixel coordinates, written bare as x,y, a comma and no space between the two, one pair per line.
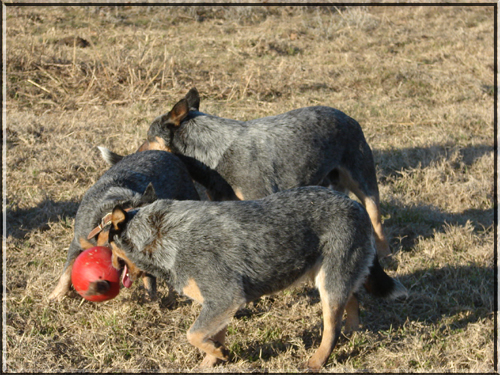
22,221
432,301
391,162
166,297
404,224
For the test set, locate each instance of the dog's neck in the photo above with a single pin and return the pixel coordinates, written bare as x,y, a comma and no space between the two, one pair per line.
147,238
206,137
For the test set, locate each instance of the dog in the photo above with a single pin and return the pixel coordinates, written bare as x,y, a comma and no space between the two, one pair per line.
124,183
308,146
226,254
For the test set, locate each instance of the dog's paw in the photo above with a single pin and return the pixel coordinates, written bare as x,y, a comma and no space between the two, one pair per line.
57,295
351,327
311,366
150,297
210,361
222,353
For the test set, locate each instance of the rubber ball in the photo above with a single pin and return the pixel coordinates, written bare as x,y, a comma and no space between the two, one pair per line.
93,275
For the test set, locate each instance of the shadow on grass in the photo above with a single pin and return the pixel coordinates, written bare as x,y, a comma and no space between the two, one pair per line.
450,298
22,221
390,162
463,293
408,224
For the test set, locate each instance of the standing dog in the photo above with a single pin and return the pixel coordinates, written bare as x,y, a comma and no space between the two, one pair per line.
307,146
124,184
225,254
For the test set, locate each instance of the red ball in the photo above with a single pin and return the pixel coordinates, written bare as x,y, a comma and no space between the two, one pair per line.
93,275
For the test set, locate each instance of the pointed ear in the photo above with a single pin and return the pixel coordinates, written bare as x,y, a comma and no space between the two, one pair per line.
149,195
193,99
118,218
178,113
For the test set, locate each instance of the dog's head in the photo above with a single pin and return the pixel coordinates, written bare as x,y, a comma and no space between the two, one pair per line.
119,247
161,131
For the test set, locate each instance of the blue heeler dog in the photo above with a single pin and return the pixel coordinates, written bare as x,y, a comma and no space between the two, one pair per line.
225,254
308,146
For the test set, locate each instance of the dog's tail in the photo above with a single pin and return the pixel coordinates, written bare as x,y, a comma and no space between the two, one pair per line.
109,157
382,285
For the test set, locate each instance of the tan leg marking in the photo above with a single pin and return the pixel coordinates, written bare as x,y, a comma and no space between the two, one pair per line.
192,291
211,336
332,321
352,312
209,197
373,209
150,286
203,342
372,206
63,285
210,360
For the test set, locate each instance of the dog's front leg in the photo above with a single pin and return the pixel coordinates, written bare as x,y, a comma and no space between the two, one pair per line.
333,309
332,320
210,360
208,331
63,285
150,286
203,340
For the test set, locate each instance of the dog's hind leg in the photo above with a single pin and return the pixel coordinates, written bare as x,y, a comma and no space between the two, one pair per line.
364,186
333,309
352,314
333,181
206,331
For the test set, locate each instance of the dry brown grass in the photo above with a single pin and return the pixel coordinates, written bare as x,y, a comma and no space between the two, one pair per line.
418,79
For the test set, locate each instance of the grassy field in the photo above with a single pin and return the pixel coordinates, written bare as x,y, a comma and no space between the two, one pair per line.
420,81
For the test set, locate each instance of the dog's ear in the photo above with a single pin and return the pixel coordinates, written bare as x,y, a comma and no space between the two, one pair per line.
177,114
118,219
149,195
144,147
193,99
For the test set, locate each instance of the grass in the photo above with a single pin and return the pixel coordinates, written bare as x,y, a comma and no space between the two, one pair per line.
420,81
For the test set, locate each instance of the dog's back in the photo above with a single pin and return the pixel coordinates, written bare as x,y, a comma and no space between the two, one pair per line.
275,153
